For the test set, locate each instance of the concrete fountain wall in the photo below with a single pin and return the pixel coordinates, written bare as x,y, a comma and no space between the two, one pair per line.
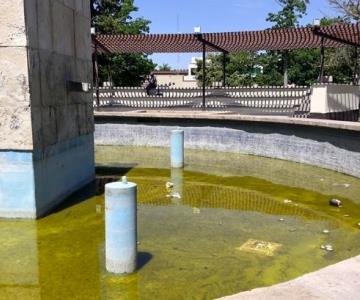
328,144
46,131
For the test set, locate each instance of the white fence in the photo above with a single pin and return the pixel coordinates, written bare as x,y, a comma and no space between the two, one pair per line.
267,99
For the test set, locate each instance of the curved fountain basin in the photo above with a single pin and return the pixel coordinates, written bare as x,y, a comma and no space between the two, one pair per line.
199,246
325,184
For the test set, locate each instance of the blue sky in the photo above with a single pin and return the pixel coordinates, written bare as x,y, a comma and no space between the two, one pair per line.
172,16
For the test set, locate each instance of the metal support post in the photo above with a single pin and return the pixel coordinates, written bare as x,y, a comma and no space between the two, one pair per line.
204,75
224,69
322,60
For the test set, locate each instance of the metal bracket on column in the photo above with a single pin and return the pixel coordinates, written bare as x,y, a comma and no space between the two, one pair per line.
75,86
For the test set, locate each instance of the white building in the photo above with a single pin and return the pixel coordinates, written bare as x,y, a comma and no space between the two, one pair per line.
179,78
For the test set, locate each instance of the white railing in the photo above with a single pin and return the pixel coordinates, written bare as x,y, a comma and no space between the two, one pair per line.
272,99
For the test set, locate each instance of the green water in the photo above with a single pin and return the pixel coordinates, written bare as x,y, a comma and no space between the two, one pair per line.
188,247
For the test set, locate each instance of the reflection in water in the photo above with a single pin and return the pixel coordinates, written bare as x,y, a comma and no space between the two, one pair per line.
188,249
177,178
231,164
117,287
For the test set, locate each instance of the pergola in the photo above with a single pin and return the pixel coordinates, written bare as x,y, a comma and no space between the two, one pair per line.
333,36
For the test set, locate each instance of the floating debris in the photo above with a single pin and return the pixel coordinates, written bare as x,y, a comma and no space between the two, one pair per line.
175,195
328,248
335,202
346,216
196,211
322,179
260,247
169,185
281,220
325,231
287,201
358,224
345,185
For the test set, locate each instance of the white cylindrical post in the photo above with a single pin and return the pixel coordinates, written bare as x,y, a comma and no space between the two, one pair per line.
177,148
120,227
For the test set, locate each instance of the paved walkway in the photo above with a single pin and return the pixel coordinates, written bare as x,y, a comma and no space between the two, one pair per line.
337,282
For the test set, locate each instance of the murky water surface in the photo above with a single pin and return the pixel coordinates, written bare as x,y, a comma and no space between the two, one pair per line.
242,222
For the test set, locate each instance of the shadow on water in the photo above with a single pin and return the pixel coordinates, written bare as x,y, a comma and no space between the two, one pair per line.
104,175
143,258
79,196
114,169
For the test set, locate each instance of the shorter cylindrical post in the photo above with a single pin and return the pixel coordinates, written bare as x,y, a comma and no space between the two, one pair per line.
120,227
177,148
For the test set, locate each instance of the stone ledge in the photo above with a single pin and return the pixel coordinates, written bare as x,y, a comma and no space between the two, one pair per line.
339,281
353,126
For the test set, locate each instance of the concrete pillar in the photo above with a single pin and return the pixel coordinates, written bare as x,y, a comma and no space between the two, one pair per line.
46,130
120,227
177,148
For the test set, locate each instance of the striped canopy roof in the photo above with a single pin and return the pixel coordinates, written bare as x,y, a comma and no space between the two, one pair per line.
272,39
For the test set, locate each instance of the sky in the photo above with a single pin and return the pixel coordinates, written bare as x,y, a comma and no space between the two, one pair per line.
181,16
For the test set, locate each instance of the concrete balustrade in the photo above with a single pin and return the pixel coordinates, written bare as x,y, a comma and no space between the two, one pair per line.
335,101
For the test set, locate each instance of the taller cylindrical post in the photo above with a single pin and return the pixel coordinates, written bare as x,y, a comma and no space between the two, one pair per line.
120,227
177,148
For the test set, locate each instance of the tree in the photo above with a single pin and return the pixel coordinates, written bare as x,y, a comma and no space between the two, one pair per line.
164,67
272,69
288,17
115,17
349,8
350,11
241,69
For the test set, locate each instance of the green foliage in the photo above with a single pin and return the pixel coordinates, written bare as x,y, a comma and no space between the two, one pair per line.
272,69
339,63
288,17
113,17
213,70
125,69
350,9
304,66
241,68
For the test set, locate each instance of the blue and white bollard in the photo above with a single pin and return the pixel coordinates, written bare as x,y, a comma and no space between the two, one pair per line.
177,148
120,227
